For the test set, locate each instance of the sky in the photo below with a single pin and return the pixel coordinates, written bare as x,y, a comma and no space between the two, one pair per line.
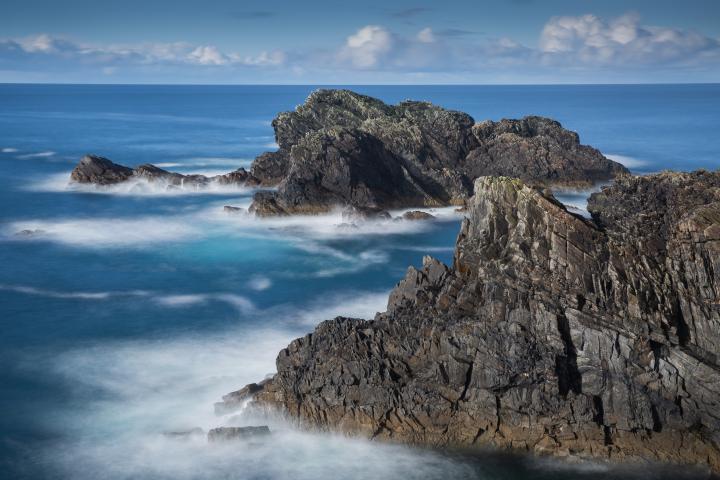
360,42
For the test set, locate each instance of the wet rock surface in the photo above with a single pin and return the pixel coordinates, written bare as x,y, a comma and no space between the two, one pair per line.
93,169
550,333
342,148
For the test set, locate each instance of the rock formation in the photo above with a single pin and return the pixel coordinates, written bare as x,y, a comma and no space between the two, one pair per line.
342,148
93,169
550,333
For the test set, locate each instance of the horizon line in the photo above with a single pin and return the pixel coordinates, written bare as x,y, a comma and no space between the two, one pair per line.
160,84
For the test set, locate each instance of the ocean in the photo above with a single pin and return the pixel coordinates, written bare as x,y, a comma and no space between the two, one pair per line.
129,312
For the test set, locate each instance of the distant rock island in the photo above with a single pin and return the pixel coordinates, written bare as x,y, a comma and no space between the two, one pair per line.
550,333
344,149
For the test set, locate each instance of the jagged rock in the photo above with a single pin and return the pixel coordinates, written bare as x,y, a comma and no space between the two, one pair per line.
342,148
417,215
550,333
224,434
101,171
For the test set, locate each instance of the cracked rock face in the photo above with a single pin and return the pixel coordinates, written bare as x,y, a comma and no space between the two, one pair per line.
550,333
342,148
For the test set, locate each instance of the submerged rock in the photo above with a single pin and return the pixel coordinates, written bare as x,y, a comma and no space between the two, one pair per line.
550,333
342,148
224,434
184,434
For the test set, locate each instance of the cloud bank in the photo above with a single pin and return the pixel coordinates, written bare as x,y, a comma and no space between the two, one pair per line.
580,48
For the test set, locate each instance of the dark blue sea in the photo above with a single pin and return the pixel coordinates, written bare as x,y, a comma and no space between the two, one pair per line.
129,311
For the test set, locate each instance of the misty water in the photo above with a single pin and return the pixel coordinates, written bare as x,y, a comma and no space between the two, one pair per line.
133,309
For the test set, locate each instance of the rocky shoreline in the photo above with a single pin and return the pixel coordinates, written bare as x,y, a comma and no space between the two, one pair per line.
550,333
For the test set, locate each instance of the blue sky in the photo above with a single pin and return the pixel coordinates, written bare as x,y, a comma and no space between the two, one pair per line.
324,42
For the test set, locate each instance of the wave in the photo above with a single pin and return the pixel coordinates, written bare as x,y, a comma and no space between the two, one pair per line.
36,155
242,304
259,283
60,183
105,232
9,150
79,295
629,162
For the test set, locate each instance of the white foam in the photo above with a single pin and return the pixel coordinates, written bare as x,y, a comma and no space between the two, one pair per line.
629,162
36,155
9,150
259,283
60,182
106,232
134,390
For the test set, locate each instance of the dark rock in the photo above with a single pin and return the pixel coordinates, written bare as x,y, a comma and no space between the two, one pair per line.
352,214
30,233
550,333
417,215
99,170
342,148
233,210
270,167
224,434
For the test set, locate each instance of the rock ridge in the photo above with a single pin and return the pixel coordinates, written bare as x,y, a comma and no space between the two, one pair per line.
550,333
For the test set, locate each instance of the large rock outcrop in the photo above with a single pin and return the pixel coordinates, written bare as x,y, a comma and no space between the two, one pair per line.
342,148
550,333
93,169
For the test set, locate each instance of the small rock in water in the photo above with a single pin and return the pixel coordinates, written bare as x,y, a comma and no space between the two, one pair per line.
223,434
29,232
417,215
233,210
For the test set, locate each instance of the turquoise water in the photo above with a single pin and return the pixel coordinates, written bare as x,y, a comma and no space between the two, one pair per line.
130,313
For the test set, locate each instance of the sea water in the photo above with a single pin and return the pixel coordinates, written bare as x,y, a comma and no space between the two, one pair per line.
128,312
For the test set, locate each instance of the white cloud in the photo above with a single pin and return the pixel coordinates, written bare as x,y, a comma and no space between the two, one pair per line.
426,35
274,58
207,55
571,48
366,47
621,41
